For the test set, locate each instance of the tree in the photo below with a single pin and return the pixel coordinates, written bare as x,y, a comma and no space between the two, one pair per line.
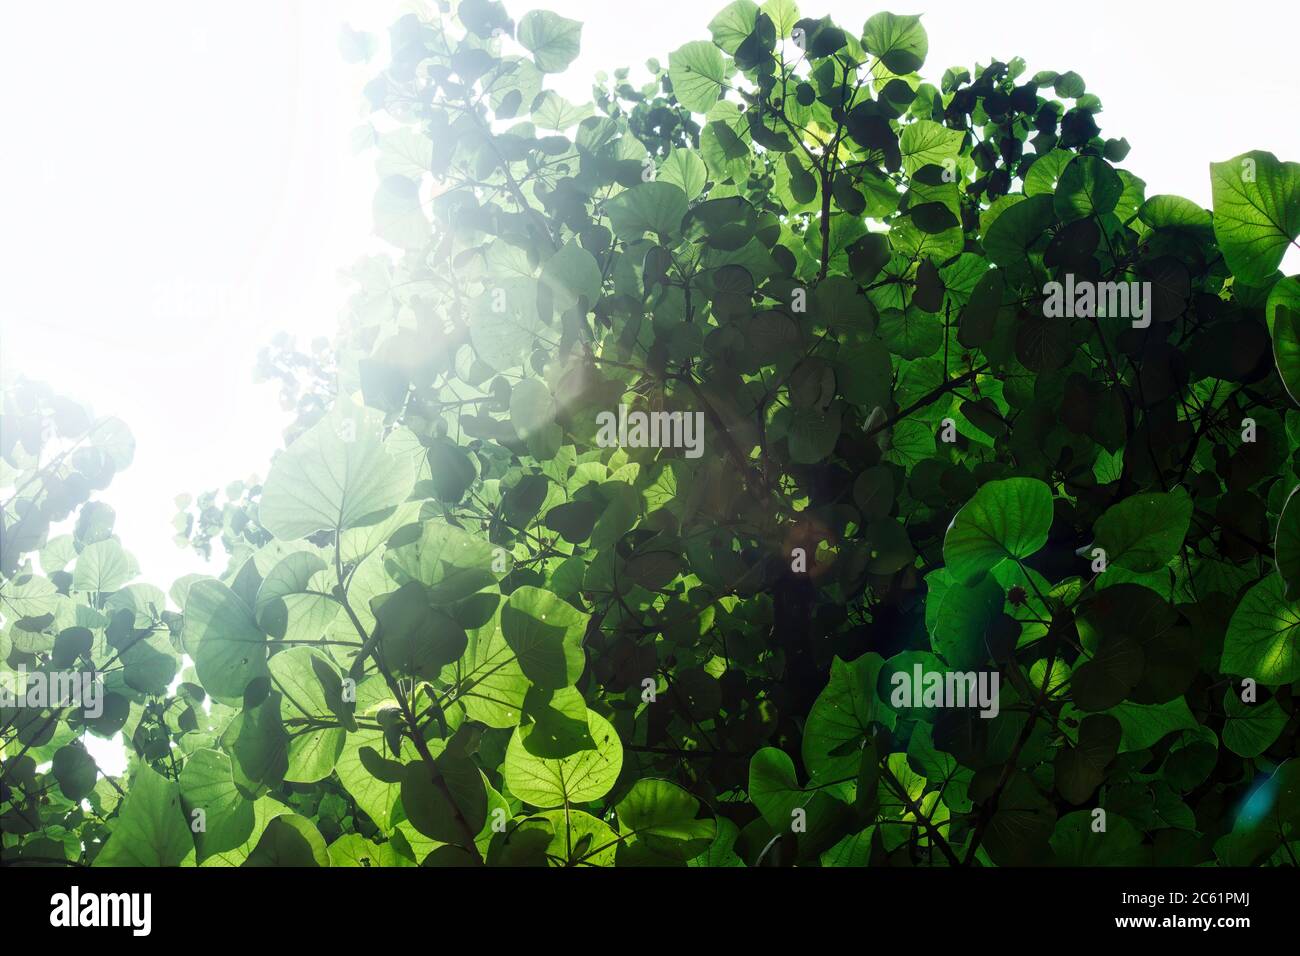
784,462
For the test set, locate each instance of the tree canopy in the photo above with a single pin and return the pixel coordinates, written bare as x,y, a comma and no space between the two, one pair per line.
456,628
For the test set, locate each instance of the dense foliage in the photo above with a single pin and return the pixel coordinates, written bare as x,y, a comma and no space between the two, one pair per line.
457,627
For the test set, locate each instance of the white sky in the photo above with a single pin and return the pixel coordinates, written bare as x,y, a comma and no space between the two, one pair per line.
177,181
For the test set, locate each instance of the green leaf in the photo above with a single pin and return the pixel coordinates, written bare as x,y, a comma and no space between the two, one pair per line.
1115,668
404,152
1266,816
312,752
572,274
337,475
773,787
964,620
927,143
150,829
352,849
1081,768
656,207
579,838
114,439
854,850
290,840
579,778
1010,236
357,544
558,723
1286,546
1144,532
1019,830
697,74
873,492
936,765
28,596
1076,842
149,664
531,407
1088,187
784,14
221,634
493,685
574,520
1285,293
504,323
415,638
103,566
1069,85
1045,174
720,851
450,562
1285,324
1007,518
899,41
381,768
663,817
377,798
438,811
774,790
207,784
1256,212
552,111
294,601
258,744
813,434
733,24
546,633
1145,724
75,770
265,811
399,213
553,40
1174,212
1250,729
685,169
1263,640
841,717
